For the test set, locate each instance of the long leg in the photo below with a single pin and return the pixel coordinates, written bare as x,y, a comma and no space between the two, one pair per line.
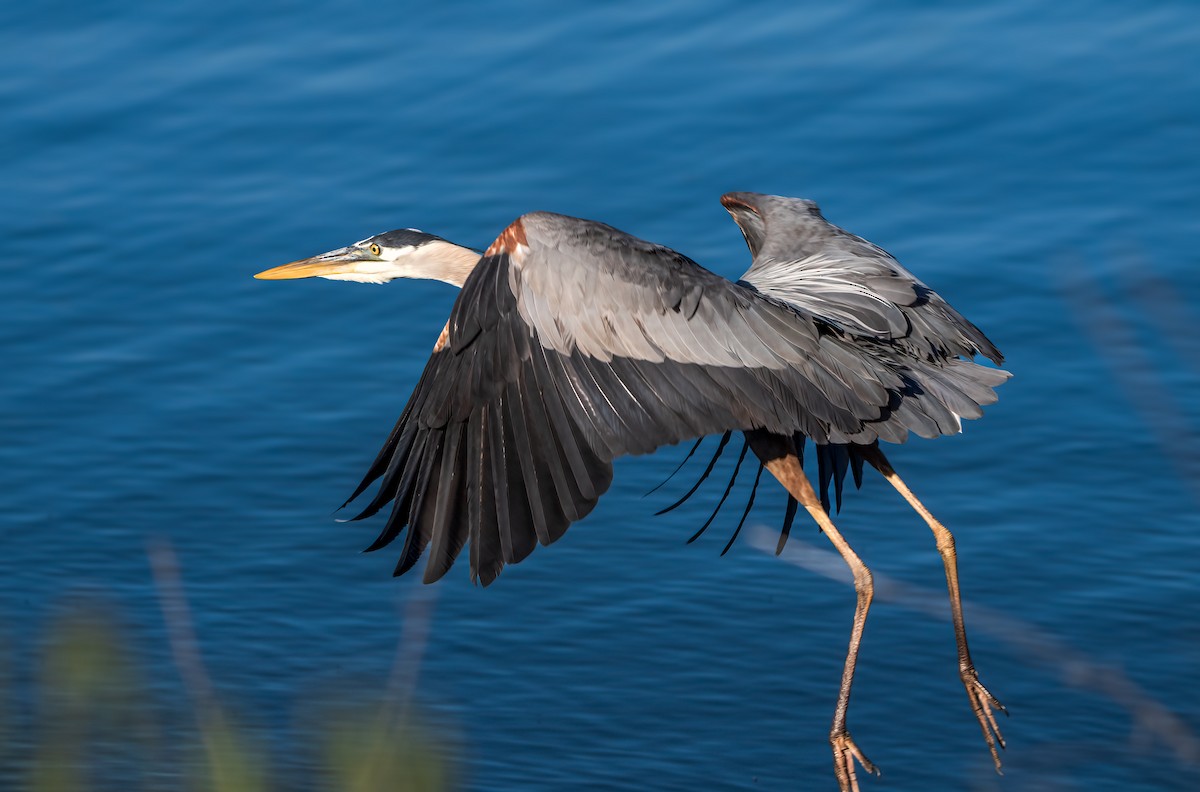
778,455
983,703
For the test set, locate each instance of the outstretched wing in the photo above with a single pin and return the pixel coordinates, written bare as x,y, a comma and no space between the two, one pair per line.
573,343
835,277
806,261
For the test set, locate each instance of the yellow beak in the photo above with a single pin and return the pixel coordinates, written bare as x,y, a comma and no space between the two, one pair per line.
343,261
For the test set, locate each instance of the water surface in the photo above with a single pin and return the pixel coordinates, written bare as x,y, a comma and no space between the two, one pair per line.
1036,166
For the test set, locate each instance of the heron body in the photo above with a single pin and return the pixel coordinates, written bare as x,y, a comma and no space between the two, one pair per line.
573,343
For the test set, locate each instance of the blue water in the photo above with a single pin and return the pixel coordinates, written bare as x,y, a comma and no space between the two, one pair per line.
1038,165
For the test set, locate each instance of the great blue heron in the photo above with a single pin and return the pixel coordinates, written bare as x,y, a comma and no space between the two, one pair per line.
573,343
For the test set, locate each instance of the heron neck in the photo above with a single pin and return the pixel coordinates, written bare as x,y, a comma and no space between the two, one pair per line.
446,262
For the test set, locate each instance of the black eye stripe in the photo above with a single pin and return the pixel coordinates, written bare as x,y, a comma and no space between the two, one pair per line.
404,237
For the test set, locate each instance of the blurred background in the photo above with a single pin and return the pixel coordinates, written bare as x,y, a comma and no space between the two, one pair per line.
179,609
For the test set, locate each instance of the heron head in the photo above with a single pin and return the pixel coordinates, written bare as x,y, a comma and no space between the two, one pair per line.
404,253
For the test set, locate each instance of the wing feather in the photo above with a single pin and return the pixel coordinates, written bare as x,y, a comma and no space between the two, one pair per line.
586,470
420,516
573,343
827,272
518,536
448,533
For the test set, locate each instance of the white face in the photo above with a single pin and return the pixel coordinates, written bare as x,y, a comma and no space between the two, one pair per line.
406,253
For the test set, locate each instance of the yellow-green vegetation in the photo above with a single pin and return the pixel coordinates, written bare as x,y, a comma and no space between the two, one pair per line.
89,720
367,752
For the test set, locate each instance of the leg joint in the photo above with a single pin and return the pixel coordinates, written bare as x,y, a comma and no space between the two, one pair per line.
945,541
864,583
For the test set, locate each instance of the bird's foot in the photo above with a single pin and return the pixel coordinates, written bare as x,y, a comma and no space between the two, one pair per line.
984,705
845,752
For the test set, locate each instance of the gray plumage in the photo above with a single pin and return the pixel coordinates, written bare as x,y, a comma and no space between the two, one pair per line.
573,343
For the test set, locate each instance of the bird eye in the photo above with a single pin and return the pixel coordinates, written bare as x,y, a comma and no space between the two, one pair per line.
374,249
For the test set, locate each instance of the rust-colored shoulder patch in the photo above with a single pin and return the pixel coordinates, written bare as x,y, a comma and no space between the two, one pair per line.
443,339
509,239
732,201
